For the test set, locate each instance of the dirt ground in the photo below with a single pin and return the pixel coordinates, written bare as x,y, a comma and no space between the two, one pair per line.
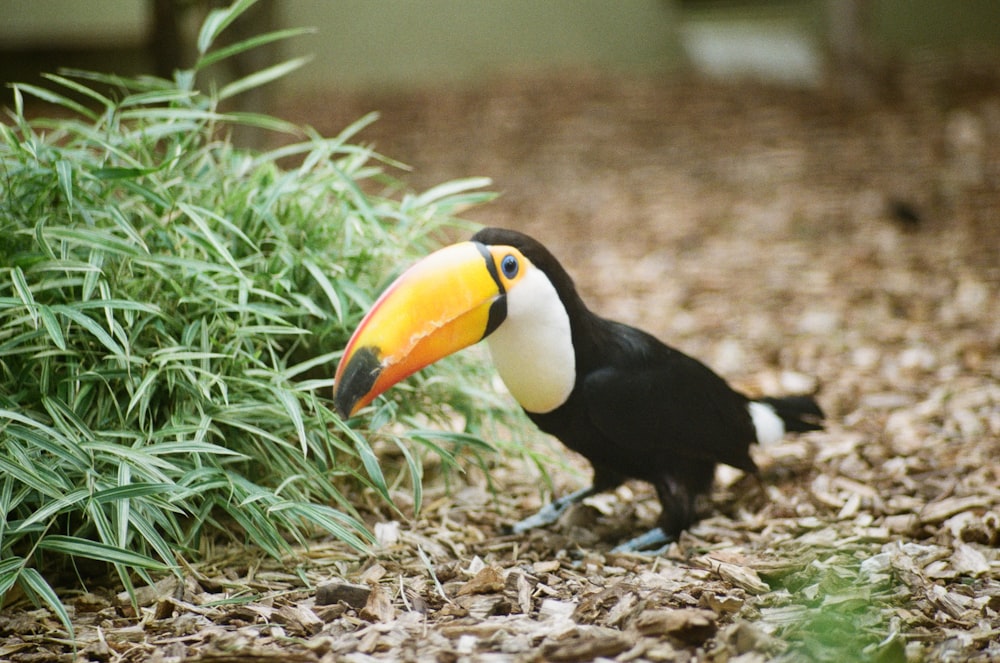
793,240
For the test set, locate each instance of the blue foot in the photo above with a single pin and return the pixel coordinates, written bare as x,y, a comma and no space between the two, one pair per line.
642,543
551,512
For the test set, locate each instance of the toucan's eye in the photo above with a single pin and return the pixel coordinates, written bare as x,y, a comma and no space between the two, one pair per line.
509,266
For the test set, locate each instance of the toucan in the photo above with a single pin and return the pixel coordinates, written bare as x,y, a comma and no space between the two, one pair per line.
633,406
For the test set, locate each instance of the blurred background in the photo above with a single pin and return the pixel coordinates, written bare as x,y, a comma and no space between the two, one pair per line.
360,45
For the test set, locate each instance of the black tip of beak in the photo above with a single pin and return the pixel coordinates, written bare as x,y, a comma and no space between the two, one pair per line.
357,380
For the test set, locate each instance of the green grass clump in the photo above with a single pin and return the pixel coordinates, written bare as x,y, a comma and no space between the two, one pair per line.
171,312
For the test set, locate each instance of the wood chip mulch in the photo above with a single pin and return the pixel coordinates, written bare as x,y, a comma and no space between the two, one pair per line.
791,240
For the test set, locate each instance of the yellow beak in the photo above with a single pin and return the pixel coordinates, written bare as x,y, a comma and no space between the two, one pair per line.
448,301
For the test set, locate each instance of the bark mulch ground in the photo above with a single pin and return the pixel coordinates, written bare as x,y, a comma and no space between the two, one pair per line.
792,240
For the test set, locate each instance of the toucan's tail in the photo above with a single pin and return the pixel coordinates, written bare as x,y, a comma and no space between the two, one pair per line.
773,417
799,413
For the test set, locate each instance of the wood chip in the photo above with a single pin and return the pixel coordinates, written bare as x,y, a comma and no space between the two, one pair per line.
586,644
298,620
597,604
689,625
743,577
387,534
721,603
379,606
554,608
937,512
488,580
353,595
967,560
148,594
546,566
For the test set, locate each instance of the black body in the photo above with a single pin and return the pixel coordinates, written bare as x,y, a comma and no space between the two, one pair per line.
641,409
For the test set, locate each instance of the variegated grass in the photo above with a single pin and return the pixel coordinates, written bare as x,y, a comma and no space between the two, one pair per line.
171,310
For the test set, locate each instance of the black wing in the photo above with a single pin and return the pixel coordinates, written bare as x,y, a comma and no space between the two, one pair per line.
669,406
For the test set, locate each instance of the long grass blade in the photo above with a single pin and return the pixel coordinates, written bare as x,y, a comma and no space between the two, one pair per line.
101,552
54,507
261,77
81,90
91,325
24,292
293,408
35,586
328,289
229,51
368,459
218,20
55,98
10,571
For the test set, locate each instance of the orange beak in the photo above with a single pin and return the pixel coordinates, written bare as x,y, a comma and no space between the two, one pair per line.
448,301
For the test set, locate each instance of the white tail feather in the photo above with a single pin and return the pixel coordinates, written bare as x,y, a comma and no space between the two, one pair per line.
769,426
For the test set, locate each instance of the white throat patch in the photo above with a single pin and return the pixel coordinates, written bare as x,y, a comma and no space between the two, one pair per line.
532,348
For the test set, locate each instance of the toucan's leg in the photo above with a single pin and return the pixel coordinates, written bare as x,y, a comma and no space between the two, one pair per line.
678,493
548,514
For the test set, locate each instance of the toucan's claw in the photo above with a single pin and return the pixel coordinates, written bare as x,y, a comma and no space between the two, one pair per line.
642,543
552,511
547,515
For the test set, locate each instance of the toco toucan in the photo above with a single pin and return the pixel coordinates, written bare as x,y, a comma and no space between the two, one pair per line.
634,407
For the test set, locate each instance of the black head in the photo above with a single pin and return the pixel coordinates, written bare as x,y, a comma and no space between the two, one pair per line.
540,256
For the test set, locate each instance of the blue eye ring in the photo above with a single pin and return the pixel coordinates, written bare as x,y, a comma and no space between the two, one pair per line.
509,266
